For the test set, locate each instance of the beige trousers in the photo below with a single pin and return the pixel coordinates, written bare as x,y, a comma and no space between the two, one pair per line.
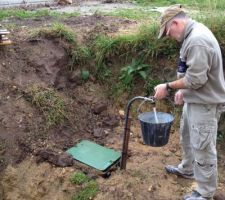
198,128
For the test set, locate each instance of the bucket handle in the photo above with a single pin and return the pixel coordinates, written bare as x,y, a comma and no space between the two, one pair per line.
151,98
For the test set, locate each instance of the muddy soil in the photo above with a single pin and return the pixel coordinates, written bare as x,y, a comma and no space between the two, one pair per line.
33,163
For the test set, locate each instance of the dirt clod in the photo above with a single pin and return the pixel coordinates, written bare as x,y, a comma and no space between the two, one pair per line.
60,160
99,107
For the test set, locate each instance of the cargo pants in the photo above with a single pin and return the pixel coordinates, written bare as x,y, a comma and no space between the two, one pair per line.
198,133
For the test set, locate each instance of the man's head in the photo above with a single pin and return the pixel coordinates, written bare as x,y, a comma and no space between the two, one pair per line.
173,22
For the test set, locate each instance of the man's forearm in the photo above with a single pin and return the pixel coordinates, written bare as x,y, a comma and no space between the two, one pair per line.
178,84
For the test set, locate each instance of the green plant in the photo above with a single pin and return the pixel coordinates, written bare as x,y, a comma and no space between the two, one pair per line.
203,4
23,14
56,31
49,102
62,32
130,72
79,56
85,75
143,43
88,192
136,13
79,178
102,47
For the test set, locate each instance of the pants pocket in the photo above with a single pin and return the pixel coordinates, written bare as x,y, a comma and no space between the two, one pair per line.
202,134
205,171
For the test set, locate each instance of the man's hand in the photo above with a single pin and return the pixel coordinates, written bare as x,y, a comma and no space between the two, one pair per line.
160,91
178,98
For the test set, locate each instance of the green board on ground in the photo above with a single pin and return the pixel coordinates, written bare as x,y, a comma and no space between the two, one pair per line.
94,155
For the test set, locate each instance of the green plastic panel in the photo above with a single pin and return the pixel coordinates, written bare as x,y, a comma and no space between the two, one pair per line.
94,155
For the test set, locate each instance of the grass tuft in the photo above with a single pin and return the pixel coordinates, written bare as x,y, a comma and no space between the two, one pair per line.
49,103
88,192
79,56
56,31
79,178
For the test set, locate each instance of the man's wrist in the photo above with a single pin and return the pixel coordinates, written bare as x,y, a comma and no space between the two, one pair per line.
168,87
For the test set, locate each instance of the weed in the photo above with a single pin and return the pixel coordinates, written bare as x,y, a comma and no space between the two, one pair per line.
79,178
49,102
130,72
85,75
88,192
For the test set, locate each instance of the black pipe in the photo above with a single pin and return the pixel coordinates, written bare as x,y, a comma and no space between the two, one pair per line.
127,130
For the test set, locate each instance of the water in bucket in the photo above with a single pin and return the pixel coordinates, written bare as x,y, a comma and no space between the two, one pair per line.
155,114
155,127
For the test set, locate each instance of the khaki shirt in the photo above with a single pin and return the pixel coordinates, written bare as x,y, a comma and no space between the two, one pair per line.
204,77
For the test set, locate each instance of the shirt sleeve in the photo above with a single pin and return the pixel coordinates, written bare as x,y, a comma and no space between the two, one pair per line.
198,62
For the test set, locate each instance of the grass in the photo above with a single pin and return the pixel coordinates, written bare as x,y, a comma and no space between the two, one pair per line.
201,4
57,30
89,188
135,14
49,103
79,56
124,48
79,178
144,43
23,14
216,25
88,192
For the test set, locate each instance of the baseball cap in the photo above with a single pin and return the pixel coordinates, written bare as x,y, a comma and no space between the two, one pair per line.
167,15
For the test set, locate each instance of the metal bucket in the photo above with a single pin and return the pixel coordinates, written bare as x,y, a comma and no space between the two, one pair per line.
155,134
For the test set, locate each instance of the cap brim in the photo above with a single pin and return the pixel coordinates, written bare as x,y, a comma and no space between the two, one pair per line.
162,32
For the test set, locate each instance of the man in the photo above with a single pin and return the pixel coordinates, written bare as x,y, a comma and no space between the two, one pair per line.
201,87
